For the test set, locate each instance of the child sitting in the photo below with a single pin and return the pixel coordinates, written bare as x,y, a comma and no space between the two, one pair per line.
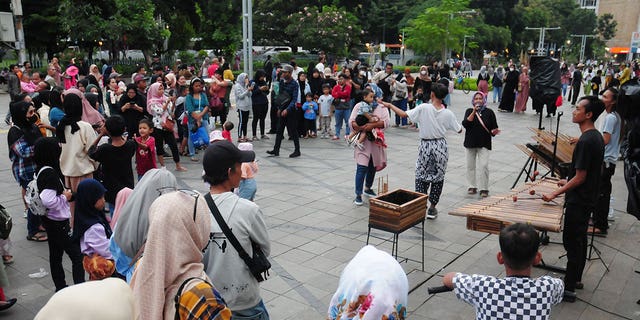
92,230
324,104
146,152
247,189
517,295
226,130
310,108
356,138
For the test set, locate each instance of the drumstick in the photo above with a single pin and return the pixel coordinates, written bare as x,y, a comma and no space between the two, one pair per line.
533,198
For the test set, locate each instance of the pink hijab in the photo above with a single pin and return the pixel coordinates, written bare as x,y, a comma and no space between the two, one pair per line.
89,114
154,96
121,198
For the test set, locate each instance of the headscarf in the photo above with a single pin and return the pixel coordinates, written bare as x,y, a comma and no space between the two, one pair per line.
133,225
22,127
121,199
483,71
72,105
173,253
372,286
86,214
484,100
153,96
377,93
93,99
171,77
427,75
106,299
95,74
89,113
89,87
47,153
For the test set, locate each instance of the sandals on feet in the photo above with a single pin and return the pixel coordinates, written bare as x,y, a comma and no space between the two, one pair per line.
38,237
7,259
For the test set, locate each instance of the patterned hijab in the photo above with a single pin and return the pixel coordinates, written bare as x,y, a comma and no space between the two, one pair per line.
484,100
154,96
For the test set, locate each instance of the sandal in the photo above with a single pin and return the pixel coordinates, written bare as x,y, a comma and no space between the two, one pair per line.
194,159
38,237
182,169
7,259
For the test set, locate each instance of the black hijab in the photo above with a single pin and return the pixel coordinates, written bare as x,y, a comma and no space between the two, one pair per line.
22,127
73,113
86,214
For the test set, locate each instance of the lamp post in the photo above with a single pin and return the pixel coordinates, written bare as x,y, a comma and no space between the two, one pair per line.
541,39
464,46
445,51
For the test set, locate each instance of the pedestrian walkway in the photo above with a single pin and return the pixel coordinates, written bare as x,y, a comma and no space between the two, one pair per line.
316,229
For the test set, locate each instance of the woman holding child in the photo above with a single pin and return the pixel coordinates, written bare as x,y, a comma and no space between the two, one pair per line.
372,157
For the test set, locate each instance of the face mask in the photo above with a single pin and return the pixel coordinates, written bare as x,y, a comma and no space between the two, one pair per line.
512,69
32,119
424,73
363,73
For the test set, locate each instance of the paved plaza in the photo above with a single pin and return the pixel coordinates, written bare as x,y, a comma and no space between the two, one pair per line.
315,228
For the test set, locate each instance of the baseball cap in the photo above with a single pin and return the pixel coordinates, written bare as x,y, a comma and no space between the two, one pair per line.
327,71
114,75
138,78
287,68
222,155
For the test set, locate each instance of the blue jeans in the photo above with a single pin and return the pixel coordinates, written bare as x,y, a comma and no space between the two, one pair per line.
343,116
259,312
564,89
497,94
402,104
192,148
365,175
247,189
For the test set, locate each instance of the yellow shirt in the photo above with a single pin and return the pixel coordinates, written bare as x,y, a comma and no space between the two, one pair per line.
228,75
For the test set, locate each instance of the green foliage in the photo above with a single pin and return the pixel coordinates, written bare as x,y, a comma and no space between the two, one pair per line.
42,26
332,29
187,57
607,27
439,27
284,56
221,25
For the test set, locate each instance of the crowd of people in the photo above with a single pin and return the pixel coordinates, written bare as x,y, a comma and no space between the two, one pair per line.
80,138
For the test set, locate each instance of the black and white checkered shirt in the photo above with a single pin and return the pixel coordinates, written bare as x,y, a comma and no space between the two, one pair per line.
509,298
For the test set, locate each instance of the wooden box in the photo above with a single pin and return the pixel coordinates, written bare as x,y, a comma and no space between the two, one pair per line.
397,210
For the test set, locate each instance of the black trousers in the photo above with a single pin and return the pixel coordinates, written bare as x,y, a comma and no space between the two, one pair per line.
574,238
291,123
273,116
59,243
259,115
244,122
161,137
576,92
601,212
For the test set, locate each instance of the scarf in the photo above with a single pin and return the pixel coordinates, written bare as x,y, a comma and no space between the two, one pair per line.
86,215
22,127
133,223
89,113
154,97
72,107
121,199
484,100
172,254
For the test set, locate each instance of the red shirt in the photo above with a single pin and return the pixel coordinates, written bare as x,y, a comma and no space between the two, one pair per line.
146,159
227,135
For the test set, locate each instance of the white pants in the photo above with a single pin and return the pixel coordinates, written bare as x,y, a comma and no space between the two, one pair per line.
478,160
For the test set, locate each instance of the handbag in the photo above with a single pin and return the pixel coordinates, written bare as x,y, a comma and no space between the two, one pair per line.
168,124
215,103
199,137
258,265
282,99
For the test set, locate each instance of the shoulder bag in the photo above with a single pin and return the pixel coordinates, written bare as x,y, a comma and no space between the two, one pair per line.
258,265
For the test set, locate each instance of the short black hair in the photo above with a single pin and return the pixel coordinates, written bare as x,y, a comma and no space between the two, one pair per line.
519,245
594,105
439,90
115,125
389,64
221,177
228,125
327,86
309,94
147,122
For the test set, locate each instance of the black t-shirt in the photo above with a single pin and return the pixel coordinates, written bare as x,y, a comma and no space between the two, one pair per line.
588,155
116,166
49,179
475,135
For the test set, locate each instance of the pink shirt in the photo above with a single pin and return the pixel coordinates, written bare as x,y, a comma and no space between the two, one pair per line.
146,159
249,170
371,150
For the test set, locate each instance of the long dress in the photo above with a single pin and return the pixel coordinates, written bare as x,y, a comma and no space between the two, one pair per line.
523,94
509,95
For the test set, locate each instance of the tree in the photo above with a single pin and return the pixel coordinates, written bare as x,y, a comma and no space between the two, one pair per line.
606,26
84,22
332,29
220,25
42,26
438,28
140,28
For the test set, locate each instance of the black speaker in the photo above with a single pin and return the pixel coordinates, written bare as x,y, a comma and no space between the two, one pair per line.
544,73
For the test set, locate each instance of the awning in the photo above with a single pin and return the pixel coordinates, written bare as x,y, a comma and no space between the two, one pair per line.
619,50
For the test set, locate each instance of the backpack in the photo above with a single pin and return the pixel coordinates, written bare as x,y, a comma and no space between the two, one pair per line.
384,85
32,196
5,223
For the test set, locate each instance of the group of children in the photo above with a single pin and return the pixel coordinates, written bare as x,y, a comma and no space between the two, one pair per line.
318,111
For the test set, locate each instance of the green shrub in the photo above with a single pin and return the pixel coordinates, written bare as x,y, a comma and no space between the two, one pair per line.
186,57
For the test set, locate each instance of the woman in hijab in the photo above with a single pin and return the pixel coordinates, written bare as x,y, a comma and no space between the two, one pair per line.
55,197
92,229
260,104
106,299
132,107
523,91
94,76
510,87
76,137
21,140
131,229
160,107
184,221
372,286
243,90
89,113
483,80
121,199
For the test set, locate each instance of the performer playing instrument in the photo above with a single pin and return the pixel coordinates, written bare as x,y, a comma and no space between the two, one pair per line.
581,191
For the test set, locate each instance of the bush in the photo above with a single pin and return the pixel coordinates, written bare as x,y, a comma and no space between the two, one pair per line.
472,84
186,57
125,69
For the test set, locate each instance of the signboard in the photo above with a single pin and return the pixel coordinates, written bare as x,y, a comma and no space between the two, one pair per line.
7,32
383,47
635,42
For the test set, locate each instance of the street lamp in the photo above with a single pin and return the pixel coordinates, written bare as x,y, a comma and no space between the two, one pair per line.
464,46
446,47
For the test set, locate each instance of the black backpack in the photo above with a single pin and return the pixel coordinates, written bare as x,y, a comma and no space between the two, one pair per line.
5,223
384,85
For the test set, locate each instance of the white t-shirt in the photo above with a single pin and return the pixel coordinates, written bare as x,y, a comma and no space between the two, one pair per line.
320,67
324,101
433,123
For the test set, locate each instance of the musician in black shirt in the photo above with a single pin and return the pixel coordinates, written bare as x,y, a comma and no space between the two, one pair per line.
581,191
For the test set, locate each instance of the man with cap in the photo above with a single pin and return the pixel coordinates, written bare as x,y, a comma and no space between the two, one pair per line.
287,114
222,164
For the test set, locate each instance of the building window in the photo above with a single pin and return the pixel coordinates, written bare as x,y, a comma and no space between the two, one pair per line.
588,4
